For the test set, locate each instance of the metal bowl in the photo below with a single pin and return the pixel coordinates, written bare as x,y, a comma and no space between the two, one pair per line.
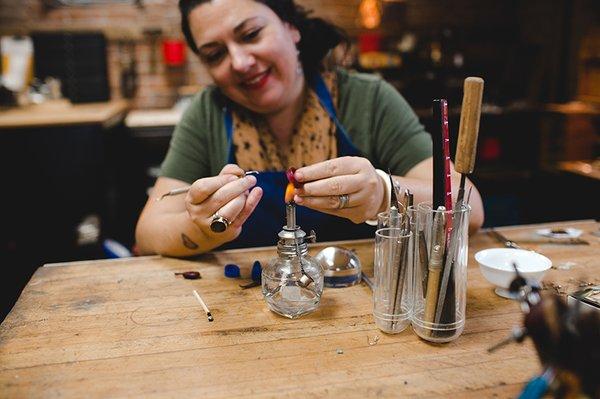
341,267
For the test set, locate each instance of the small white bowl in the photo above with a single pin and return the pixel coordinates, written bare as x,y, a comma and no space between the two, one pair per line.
496,265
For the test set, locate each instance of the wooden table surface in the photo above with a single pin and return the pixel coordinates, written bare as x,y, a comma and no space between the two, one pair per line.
131,328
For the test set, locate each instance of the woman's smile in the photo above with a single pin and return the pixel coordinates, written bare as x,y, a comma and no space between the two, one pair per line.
257,81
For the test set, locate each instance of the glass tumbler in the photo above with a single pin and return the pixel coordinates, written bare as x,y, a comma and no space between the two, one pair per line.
384,220
392,300
440,273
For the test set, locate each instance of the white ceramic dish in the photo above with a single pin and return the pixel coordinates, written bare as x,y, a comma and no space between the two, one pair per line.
496,265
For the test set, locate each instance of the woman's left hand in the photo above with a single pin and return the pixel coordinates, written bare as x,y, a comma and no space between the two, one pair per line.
325,183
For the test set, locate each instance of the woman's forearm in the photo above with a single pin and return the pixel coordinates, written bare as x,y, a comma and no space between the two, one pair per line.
171,234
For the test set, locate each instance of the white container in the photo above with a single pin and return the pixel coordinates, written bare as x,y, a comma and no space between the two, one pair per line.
496,265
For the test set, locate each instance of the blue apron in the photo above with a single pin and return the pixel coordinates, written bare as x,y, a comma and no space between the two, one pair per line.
268,218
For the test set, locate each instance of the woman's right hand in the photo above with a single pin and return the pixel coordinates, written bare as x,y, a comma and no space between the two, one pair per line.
231,194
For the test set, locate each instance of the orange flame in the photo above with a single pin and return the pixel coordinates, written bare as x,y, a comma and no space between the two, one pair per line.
289,193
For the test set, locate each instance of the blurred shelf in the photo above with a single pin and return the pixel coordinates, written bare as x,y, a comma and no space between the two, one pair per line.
63,113
574,108
589,169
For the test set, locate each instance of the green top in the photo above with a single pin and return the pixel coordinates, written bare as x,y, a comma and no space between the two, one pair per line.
377,118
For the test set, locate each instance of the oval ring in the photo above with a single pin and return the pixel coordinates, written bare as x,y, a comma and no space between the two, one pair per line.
219,223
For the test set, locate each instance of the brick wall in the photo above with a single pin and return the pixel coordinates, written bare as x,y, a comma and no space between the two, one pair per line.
535,21
125,24
128,22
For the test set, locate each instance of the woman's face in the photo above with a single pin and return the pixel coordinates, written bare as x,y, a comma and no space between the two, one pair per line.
249,52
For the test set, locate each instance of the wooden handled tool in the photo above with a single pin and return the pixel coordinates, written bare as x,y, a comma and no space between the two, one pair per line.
469,125
436,262
466,148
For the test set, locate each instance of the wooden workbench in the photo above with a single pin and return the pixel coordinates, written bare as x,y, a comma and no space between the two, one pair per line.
63,113
123,328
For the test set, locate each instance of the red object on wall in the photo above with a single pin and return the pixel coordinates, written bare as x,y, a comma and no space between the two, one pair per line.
173,52
491,149
369,42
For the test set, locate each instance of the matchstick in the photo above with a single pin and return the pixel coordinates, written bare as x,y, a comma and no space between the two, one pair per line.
210,318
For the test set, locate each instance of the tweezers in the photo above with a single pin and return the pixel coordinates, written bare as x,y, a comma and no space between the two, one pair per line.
394,202
183,190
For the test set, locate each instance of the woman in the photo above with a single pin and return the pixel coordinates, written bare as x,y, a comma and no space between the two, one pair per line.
273,107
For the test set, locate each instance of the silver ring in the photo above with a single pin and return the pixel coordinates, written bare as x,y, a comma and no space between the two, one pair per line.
219,223
344,199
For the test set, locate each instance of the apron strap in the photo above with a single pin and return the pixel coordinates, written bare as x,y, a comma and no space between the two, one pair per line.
229,130
327,102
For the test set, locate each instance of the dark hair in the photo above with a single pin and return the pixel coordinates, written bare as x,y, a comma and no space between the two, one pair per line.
317,36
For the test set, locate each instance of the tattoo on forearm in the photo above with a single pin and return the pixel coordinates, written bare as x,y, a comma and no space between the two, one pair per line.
188,243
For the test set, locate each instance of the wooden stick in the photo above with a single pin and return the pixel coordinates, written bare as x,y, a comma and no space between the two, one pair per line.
469,125
423,259
433,280
208,315
436,261
468,131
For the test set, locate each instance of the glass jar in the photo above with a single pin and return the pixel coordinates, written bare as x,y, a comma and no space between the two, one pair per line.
292,283
392,301
440,278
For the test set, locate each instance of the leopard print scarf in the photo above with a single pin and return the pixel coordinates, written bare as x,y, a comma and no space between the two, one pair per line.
313,139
